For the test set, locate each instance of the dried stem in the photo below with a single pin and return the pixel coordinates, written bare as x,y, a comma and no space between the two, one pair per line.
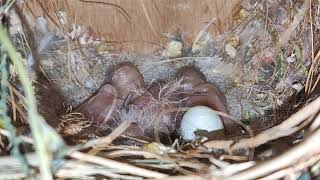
104,141
33,115
305,150
286,128
120,166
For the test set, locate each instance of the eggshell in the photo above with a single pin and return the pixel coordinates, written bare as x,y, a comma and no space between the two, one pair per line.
199,118
208,95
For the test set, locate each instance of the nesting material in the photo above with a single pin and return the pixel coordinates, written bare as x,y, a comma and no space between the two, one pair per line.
268,57
173,49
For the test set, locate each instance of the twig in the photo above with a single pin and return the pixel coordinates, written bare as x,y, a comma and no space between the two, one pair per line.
118,8
145,154
234,158
13,104
104,141
309,82
190,177
290,170
311,33
17,93
170,60
74,169
11,168
308,148
286,128
227,169
316,61
315,125
135,139
5,9
105,162
115,164
111,109
23,138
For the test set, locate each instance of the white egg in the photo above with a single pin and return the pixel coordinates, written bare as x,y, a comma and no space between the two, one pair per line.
199,118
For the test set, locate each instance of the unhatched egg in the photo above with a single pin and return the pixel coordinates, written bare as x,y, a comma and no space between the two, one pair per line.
199,118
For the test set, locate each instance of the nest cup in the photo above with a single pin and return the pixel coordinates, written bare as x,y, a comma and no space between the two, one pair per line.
273,62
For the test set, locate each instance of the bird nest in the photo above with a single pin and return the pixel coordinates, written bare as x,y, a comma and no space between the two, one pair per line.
95,114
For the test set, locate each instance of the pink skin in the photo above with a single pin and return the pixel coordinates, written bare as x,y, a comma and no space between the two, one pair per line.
197,92
148,97
150,100
191,78
99,106
127,78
